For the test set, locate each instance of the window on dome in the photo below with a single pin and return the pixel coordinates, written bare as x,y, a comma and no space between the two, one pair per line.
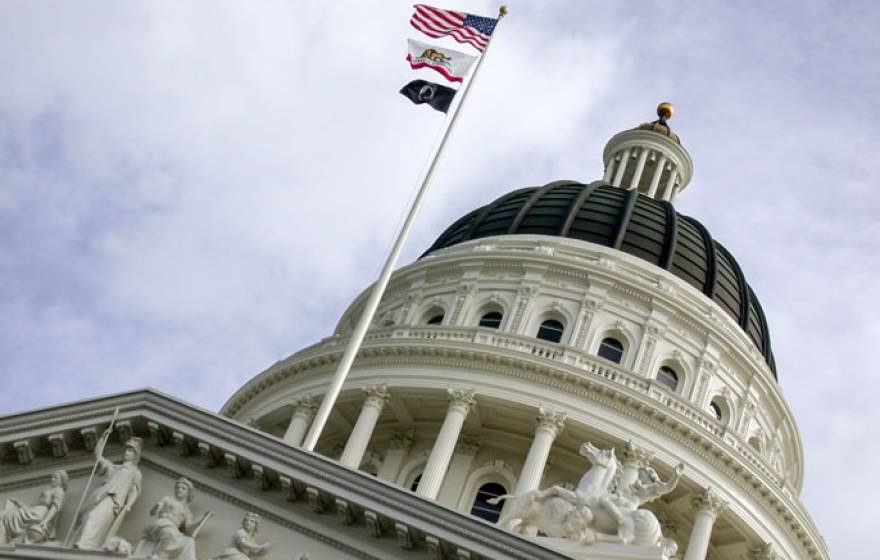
717,409
611,349
491,320
667,376
482,508
551,330
415,483
436,319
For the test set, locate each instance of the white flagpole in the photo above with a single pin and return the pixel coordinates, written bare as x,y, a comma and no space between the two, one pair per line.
366,318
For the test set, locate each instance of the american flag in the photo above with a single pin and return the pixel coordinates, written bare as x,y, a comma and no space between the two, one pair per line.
461,26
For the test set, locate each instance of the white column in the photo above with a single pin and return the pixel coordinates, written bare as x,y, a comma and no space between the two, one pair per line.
460,403
353,454
621,168
609,171
459,468
550,424
655,180
398,447
303,412
708,506
667,190
640,168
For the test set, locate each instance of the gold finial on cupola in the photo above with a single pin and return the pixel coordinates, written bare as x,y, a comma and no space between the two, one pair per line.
665,111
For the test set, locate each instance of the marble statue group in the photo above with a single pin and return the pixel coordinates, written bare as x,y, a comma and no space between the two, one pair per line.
604,507
170,536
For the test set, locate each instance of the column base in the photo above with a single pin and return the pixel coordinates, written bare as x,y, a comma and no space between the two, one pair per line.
601,551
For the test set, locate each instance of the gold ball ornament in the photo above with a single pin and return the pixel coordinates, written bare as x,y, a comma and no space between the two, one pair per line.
665,110
503,10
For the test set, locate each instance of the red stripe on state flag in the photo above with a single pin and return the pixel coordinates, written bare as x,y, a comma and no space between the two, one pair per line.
440,69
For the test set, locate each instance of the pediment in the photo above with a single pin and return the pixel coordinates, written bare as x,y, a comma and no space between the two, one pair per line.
309,505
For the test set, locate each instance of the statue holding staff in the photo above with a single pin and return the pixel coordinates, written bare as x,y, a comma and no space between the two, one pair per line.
107,505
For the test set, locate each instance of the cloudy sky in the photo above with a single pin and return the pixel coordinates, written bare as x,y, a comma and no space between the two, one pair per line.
189,192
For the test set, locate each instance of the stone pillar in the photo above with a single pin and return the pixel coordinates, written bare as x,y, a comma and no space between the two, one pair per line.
609,171
398,447
640,168
621,167
353,454
708,505
670,184
460,403
550,424
655,179
303,411
632,458
459,468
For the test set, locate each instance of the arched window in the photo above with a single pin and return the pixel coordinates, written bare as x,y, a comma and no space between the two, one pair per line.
667,376
415,483
551,330
611,349
718,409
436,319
482,508
491,320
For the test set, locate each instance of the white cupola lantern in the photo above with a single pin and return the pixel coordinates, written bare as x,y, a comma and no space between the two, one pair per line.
649,158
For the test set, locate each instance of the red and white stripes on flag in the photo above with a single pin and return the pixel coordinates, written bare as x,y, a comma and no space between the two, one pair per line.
461,26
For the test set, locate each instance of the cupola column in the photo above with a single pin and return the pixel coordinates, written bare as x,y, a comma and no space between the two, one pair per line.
303,412
621,168
460,403
398,447
640,168
708,505
356,446
670,185
550,425
655,180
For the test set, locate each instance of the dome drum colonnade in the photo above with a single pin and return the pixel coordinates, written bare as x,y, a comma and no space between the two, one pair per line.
662,317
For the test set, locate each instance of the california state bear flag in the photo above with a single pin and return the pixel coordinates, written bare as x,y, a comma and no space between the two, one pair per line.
452,64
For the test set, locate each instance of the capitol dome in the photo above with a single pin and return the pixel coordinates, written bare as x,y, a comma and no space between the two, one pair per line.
628,221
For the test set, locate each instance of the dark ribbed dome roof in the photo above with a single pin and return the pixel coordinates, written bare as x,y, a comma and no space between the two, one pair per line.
630,222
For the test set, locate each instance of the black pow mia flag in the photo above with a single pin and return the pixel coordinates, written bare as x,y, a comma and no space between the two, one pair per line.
421,91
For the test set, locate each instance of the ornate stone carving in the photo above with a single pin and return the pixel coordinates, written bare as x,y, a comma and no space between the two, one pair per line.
345,512
435,548
404,536
35,523
526,293
244,545
463,291
233,466
158,435
371,518
589,307
90,438
463,399
181,444
632,454
261,477
551,420
316,503
117,491
595,511
206,455
401,440
467,445
305,407
172,535
709,501
58,443
288,488
24,451
376,395
124,430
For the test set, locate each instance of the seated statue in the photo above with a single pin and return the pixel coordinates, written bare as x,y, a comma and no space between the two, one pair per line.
36,523
172,535
244,546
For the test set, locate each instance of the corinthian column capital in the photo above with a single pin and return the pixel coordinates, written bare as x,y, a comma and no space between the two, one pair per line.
709,501
551,420
376,395
462,399
632,454
305,407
